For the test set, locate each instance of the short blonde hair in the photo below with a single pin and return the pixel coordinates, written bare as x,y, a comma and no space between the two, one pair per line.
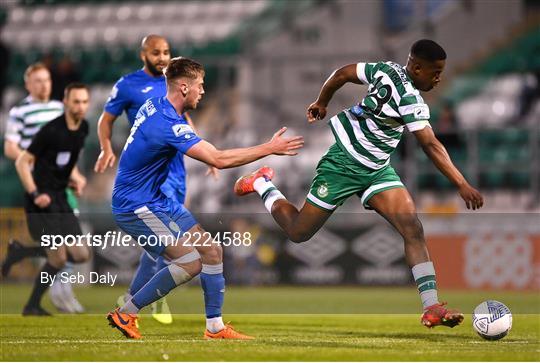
181,67
33,68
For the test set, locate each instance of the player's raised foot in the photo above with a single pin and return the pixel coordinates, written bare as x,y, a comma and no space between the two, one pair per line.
30,310
14,254
244,184
121,301
438,314
227,333
161,311
126,323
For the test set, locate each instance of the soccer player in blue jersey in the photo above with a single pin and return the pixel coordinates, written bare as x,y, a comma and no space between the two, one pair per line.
129,94
141,209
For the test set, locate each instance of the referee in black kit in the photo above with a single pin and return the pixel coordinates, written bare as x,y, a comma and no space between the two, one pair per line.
46,168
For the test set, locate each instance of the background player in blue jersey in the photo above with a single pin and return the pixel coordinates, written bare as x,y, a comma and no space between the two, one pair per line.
129,94
140,208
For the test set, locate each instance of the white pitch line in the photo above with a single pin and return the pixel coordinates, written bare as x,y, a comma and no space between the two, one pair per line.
102,341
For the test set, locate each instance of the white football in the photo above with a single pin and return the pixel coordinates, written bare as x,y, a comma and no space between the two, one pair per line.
492,320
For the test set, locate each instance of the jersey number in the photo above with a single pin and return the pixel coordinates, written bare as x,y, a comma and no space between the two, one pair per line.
134,128
381,93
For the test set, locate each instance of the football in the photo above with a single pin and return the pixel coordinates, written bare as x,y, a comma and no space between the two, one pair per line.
492,320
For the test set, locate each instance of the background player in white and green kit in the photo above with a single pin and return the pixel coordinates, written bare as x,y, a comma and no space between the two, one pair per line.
359,162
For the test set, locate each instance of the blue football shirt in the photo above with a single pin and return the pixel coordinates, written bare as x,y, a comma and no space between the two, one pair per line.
132,91
129,94
157,136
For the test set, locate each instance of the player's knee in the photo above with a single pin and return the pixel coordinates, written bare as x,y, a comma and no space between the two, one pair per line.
81,256
192,268
212,255
184,272
58,261
189,262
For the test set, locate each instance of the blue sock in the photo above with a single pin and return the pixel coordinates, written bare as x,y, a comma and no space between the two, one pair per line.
145,271
160,285
213,284
160,264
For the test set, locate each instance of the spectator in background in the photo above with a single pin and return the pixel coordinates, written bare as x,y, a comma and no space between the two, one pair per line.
529,94
63,73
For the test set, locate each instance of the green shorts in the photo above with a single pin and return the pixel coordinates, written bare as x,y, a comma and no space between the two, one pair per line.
338,177
72,199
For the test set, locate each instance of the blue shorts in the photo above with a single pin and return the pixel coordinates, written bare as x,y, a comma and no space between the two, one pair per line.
155,227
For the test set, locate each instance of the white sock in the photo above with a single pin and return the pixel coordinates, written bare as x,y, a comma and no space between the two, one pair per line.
129,308
213,325
424,276
127,297
261,185
268,192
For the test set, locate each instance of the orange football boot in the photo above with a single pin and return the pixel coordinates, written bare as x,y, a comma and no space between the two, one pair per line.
438,314
227,333
244,184
126,323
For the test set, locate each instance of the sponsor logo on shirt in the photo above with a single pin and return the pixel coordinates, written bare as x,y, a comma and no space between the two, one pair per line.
147,89
182,129
421,112
150,108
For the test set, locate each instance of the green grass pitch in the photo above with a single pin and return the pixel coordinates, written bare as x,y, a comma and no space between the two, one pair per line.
290,323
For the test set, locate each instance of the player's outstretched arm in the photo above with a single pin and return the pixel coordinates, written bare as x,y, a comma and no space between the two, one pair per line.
222,159
106,157
439,156
212,170
317,110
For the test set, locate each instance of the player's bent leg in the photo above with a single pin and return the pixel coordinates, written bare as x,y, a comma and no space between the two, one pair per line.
299,226
396,205
16,251
213,285
185,264
78,254
144,273
164,222
160,309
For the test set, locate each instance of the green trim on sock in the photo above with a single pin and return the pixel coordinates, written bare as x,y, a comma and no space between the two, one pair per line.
265,194
431,285
423,279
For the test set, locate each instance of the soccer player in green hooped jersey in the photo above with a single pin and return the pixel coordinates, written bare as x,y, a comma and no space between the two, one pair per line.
358,163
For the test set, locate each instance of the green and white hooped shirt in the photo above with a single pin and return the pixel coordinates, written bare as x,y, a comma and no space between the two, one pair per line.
370,132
